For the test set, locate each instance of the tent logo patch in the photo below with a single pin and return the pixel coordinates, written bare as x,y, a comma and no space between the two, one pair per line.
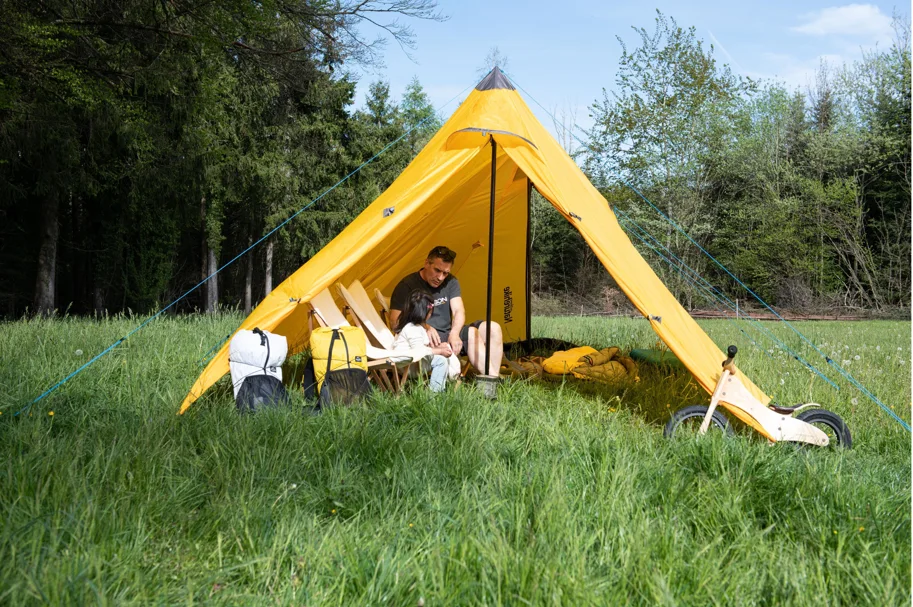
508,305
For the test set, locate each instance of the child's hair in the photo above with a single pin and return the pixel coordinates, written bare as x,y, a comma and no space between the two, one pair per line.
416,309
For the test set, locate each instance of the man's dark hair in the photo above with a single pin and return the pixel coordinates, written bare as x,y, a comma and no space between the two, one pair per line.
443,253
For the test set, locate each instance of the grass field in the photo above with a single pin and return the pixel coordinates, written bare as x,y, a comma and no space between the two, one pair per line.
553,494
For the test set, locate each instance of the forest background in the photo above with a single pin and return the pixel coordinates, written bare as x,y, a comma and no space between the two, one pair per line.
145,143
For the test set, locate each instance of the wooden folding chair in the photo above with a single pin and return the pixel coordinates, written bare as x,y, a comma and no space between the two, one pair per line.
384,303
390,369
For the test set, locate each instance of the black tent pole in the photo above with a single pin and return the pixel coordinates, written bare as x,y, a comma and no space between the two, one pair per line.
491,252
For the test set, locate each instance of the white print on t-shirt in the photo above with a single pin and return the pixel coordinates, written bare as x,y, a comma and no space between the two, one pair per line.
439,301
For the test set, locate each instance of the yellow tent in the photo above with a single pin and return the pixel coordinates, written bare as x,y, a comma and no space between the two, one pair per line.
443,197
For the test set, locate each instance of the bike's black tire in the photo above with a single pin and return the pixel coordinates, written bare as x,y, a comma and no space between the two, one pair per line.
838,430
697,412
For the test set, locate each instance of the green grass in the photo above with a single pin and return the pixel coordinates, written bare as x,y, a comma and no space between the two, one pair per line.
554,494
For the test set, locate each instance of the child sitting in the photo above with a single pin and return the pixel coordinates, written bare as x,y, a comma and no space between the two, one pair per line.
411,333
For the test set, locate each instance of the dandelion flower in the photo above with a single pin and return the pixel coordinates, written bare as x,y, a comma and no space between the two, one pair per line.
846,347
878,348
51,413
410,525
862,529
333,511
855,401
78,352
857,357
835,532
611,410
782,381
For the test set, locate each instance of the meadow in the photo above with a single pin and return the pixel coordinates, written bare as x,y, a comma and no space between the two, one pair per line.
554,494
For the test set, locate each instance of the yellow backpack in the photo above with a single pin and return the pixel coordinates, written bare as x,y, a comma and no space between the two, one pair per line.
340,364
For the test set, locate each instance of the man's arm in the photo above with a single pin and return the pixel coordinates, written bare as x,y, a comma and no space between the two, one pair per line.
458,314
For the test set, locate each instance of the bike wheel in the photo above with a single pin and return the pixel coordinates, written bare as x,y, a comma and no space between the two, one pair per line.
688,420
830,423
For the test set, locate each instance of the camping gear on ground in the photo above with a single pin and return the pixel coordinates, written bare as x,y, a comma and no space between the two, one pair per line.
255,361
525,367
340,365
657,357
482,165
606,365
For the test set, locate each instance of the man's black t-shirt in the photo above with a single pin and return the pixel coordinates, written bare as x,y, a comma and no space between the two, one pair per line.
441,316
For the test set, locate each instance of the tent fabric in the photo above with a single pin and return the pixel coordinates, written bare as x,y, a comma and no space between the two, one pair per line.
442,198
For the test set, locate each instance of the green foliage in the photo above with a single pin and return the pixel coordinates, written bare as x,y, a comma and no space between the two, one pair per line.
553,493
160,132
806,199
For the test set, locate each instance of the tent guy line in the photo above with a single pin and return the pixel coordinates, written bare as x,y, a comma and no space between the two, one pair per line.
722,298
853,381
708,294
237,257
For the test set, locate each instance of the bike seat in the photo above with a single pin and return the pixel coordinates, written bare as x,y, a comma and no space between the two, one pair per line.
782,409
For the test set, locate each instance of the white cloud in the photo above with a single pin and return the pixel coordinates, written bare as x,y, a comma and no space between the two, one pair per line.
859,20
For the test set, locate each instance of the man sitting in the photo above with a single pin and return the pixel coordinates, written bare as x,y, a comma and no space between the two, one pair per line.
447,323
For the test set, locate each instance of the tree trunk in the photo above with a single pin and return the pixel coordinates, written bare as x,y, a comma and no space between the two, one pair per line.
248,280
45,281
268,270
98,300
204,253
212,285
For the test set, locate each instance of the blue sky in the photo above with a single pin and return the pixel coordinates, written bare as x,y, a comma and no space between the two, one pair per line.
564,53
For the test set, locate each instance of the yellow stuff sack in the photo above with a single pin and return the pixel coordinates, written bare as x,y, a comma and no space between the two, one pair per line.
565,361
348,351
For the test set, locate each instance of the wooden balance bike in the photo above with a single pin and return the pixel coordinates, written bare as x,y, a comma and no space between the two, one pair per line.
805,423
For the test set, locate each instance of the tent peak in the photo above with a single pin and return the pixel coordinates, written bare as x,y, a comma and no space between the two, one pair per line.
495,80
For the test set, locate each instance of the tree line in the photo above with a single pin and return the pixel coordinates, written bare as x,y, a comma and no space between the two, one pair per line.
803,195
143,144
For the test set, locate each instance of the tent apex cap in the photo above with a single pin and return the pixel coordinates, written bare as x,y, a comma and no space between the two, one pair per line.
495,80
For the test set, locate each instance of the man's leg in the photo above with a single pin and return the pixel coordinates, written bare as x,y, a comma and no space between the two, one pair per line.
475,349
